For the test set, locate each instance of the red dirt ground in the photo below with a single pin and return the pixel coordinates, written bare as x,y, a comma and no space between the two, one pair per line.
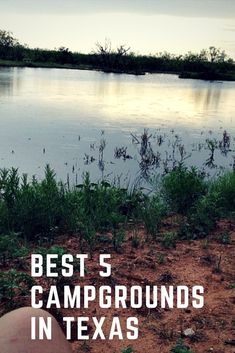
190,263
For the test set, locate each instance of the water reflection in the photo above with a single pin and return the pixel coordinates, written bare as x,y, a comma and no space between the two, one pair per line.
49,108
10,81
209,97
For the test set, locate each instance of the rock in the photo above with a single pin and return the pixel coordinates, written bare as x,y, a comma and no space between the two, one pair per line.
189,332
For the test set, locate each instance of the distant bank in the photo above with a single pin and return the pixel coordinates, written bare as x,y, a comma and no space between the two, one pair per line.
209,64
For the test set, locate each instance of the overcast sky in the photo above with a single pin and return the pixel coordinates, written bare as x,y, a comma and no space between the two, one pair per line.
148,26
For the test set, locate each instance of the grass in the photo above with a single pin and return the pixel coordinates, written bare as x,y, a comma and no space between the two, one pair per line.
40,210
14,283
180,348
182,188
34,213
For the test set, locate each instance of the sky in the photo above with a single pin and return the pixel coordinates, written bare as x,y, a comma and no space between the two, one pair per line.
147,26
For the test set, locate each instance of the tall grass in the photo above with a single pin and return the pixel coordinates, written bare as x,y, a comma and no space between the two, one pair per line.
39,210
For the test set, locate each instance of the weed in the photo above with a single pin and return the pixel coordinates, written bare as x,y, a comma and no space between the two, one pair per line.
218,264
161,259
181,348
135,240
60,281
118,239
128,350
225,238
204,215
10,248
169,240
152,214
224,186
13,283
182,187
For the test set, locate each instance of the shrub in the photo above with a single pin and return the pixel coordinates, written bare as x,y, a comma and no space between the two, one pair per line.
204,215
182,187
10,248
180,348
225,187
152,213
60,281
13,283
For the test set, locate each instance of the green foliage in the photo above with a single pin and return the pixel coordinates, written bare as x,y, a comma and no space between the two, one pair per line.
152,213
13,283
10,248
31,208
135,240
182,187
206,212
60,281
169,240
53,250
39,210
118,238
225,238
232,286
99,204
128,350
224,186
180,348
212,63
161,259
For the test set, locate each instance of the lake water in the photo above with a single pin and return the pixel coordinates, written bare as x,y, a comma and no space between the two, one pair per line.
64,117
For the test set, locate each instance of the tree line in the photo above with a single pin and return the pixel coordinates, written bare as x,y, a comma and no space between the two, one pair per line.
210,62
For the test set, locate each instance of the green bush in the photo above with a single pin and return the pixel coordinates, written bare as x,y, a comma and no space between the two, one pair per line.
11,248
14,283
60,281
182,187
180,348
225,187
39,209
204,215
152,212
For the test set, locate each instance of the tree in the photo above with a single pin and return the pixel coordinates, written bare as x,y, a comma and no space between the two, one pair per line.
7,39
216,55
65,55
111,58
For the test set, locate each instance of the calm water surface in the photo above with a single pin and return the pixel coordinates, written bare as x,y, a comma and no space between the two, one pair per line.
61,117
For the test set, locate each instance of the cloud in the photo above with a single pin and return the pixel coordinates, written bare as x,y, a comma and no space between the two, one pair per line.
193,8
